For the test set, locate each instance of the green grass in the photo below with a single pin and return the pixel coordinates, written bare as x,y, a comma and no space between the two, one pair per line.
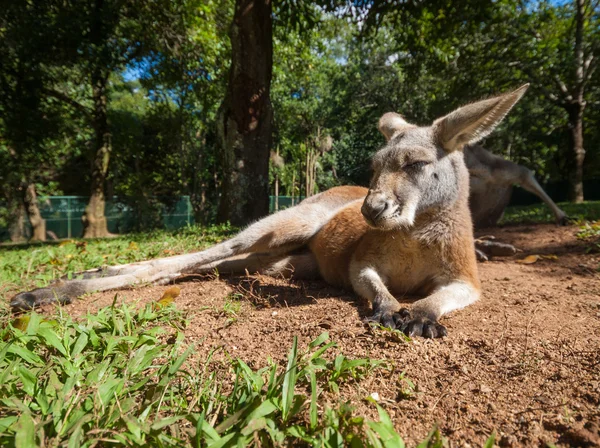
34,265
540,213
123,377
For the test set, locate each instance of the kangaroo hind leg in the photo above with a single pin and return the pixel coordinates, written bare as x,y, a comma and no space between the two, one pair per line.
300,266
279,233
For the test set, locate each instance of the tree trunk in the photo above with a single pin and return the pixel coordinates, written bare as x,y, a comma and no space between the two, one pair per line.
575,109
199,186
293,187
307,172
245,117
94,220
577,155
276,205
16,226
38,224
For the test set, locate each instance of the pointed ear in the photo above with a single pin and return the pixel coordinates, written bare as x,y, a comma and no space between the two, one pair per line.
391,124
475,121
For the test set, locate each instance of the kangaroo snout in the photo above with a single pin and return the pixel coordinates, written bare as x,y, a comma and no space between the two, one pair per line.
376,206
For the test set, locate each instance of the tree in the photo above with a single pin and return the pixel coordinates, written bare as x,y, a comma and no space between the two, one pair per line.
245,116
101,39
31,126
570,42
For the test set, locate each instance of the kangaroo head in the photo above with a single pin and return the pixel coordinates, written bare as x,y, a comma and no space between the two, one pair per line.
422,168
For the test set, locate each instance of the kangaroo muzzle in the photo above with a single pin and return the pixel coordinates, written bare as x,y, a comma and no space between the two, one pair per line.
377,207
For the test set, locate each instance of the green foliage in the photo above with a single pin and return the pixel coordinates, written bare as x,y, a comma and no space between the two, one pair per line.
124,377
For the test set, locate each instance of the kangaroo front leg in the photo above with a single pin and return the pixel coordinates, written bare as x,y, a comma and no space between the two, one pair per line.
423,319
370,285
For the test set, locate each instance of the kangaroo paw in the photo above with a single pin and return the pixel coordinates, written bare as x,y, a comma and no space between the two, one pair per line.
494,249
566,220
481,257
388,317
419,326
383,317
38,297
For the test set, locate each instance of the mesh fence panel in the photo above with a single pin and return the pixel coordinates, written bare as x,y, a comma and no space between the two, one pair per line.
63,214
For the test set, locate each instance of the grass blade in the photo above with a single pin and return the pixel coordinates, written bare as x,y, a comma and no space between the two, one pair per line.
289,380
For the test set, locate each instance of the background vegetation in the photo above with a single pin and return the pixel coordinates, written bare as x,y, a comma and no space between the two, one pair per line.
126,98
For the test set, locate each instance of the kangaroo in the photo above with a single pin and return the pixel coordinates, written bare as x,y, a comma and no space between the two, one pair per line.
410,233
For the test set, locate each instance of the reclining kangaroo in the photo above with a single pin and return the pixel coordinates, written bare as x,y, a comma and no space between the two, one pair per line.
410,233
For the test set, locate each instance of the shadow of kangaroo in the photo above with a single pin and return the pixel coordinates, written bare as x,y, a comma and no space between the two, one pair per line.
410,233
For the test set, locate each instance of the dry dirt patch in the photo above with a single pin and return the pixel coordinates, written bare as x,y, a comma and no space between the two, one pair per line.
524,361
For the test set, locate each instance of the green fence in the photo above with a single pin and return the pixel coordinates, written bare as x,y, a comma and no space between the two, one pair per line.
63,214
281,202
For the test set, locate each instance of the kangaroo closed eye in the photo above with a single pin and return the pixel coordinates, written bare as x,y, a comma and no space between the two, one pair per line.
415,165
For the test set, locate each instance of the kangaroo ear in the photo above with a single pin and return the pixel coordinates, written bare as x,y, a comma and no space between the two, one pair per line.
391,124
475,121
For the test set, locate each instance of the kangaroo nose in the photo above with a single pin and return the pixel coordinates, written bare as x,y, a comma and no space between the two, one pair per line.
374,206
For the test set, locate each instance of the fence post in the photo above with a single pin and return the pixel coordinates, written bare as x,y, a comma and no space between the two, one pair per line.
189,210
69,217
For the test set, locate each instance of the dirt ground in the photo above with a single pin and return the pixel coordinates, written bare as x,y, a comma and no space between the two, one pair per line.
524,361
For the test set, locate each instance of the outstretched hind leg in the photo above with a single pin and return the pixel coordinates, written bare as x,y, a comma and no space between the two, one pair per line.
280,233
302,266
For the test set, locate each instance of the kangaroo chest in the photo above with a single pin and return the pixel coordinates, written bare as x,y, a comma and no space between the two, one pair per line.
406,264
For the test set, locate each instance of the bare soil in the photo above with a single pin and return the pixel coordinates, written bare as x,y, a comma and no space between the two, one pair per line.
524,361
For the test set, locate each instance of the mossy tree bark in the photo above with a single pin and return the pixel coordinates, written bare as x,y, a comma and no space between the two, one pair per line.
245,117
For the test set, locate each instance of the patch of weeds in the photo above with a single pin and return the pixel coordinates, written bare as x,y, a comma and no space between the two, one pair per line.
232,307
393,334
123,377
590,232
94,380
406,387
434,440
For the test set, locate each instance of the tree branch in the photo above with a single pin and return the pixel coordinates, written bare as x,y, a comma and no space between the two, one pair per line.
71,102
563,88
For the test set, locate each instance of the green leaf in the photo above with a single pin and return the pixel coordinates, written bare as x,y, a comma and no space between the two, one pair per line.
34,322
222,441
107,390
7,422
25,354
166,422
491,441
289,380
319,340
28,379
25,432
265,408
313,400
177,364
79,345
51,338
254,425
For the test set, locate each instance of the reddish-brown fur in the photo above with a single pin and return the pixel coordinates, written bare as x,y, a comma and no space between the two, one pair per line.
336,242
